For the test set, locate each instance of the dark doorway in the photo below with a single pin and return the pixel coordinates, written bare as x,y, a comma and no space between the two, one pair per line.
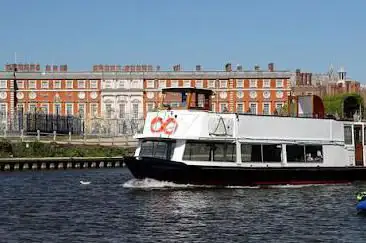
351,105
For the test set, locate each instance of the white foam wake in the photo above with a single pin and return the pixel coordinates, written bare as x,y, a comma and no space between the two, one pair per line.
148,183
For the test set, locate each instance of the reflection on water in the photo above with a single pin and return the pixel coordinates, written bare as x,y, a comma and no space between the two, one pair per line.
56,207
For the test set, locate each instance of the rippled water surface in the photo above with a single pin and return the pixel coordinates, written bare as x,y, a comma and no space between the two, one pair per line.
55,207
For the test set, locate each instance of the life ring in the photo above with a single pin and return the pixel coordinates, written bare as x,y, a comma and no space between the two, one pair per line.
154,121
169,121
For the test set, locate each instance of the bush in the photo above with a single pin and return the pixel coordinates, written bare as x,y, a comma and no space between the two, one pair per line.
37,150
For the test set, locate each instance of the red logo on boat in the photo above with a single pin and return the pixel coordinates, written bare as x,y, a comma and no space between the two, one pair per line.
168,126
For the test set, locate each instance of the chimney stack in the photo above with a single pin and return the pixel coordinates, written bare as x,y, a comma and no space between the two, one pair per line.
310,79
239,68
271,67
158,68
257,68
198,68
48,68
176,68
228,67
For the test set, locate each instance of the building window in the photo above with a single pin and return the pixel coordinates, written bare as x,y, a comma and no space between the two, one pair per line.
57,110
69,84
162,84
20,84
174,83
253,108
108,84
211,84
266,83
3,112
93,84
187,83
223,83
261,152
121,84
69,109
135,84
223,107
240,83
150,107
266,108
32,108
213,107
304,153
32,84
44,108
81,110
44,84
3,84
81,84
135,111
20,108
150,84
253,83
122,110
279,83
240,108
279,106
198,84
348,135
108,110
57,84
94,110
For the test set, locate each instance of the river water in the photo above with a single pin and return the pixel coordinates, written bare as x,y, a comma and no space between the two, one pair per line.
53,206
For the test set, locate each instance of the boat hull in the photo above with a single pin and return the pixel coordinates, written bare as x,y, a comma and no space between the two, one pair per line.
181,173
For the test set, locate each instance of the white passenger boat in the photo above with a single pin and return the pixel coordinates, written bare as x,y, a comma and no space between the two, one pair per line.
186,143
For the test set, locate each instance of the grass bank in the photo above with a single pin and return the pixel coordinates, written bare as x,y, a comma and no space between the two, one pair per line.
38,150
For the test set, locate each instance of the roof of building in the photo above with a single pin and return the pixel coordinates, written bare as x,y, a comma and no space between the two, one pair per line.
148,75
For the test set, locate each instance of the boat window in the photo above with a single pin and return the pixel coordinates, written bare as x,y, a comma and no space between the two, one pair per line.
348,134
272,152
261,152
210,151
295,153
304,153
157,149
314,153
224,152
251,153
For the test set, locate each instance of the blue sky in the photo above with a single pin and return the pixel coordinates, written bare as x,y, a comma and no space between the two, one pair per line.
309,34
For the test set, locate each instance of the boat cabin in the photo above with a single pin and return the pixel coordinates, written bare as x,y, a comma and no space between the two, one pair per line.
186,98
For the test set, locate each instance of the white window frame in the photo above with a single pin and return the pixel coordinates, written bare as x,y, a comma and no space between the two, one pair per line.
279,83
135,84
199,84
121,112
266,83
174,83
20,84
32,84
150,84
108,114
162,84
3,84
108,84
93,84
72,109
5,110
93,114
269,108
223,84
213,107
224,103
121,84
83,105
81,84
211,84
240,83
30,107
47,106
186,83
253,83
277,104
45,84
150,104
135,114
256,107
238,104
69,84
57,84
55,110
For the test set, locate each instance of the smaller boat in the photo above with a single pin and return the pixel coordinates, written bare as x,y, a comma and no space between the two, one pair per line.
361,206
84,182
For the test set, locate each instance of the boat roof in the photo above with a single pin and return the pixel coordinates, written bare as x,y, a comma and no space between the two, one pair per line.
193,90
